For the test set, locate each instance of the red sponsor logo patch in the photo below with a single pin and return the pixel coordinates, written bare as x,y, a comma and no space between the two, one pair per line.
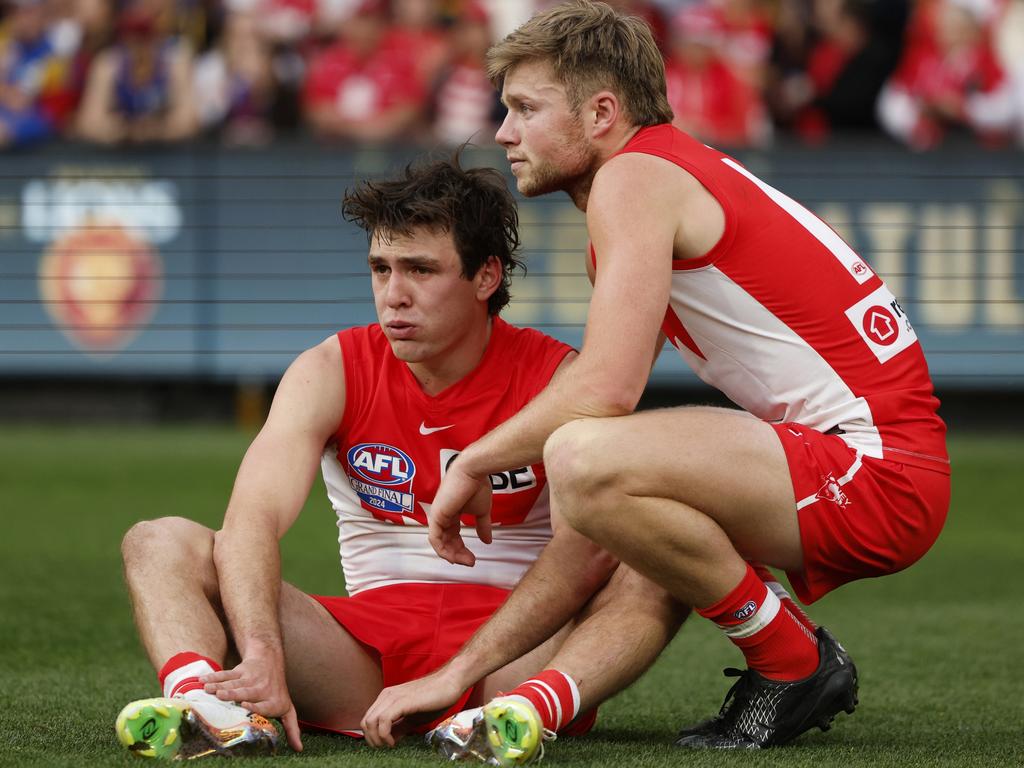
880,325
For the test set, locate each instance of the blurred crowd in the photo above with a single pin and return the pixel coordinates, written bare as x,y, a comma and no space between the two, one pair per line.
740,73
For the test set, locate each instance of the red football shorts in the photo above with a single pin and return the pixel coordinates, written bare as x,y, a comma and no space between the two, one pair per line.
859,516
413,629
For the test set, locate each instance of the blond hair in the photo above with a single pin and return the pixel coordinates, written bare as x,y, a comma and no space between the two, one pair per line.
591,47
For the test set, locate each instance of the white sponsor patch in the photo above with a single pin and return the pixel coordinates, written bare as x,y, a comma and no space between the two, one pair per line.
510,481
882,323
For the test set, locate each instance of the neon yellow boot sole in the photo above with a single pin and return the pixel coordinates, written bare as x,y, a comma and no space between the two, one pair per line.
153,727
514,732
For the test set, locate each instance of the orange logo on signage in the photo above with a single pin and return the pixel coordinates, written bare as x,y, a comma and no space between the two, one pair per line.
100,284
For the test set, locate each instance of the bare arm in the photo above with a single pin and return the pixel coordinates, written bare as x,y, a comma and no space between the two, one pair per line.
182,120
271,486
97,121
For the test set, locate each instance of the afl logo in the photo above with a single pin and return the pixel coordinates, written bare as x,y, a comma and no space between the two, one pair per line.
100,284
746,611
381,464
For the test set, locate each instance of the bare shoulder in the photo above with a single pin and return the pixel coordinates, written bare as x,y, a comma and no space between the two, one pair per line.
312,390
322,361
650,192
635,175
635,203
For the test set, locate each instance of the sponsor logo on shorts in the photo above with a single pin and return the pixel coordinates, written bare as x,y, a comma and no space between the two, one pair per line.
746,611
832,491
883,325
382,475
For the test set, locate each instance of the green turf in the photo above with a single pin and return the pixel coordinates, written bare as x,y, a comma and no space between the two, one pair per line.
937,645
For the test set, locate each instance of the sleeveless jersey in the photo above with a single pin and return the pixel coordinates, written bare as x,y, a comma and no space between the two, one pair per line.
792,325
395,443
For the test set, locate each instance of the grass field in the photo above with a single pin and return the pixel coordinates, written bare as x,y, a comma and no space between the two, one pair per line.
938,646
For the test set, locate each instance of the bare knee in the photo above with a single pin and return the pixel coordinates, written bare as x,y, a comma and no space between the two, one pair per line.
582,473
167,542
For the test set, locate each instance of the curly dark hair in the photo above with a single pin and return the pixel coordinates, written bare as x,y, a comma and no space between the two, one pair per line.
473,204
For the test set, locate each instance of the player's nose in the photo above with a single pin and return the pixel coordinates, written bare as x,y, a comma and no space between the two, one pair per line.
396,292
506,135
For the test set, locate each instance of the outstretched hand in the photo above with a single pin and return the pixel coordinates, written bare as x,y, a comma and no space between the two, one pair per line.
432,694
258,684
459,494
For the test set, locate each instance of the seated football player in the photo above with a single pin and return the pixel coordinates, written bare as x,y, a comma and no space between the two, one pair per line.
382,411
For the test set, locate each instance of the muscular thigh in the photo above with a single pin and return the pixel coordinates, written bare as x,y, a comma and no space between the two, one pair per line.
332,678
724,463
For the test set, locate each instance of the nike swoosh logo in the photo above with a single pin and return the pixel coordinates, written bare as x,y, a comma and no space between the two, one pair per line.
425,430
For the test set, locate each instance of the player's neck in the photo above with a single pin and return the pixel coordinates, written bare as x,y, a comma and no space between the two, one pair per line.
607,147
455,362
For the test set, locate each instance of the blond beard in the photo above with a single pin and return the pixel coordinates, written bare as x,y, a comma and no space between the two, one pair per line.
575,166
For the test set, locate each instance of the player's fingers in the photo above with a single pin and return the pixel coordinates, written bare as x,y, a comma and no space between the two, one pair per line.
453,549
241,693
220,677
463,556
480,508
371,731
441,541
483,527
369,724
290,721
379,720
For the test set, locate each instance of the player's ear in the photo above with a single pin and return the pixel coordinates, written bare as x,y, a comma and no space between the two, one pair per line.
488,278
603,110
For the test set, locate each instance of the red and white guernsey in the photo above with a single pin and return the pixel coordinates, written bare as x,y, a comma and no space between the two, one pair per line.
395,443
792,325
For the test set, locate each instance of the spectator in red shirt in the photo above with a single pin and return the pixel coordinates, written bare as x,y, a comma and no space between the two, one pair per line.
949,78
709,100
362,89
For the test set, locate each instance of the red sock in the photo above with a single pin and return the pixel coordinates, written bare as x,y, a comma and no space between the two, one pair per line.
181,673
582,725
773,583
554,695
772,640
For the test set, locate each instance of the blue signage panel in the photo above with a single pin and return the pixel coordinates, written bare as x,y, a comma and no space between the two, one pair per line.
227,264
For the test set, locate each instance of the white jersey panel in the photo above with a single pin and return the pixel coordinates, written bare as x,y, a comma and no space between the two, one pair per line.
760,363
375,553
